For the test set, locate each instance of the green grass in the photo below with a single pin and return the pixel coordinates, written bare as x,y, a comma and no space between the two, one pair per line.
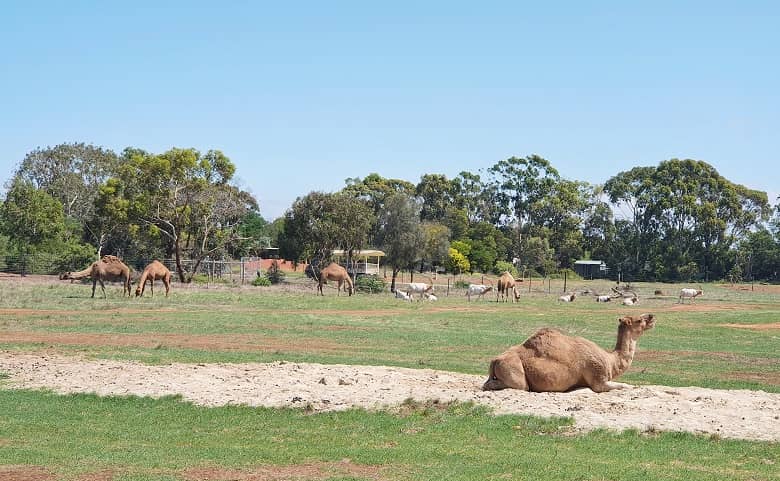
141,438
144,439
690,346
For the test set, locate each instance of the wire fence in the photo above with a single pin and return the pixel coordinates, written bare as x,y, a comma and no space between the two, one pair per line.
244,271
240,271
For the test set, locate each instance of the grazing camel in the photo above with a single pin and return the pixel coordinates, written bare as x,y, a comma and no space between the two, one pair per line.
336,273
550,361
506,282
155,270
108,268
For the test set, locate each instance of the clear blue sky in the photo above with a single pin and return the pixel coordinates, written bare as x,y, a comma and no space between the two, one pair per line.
302,95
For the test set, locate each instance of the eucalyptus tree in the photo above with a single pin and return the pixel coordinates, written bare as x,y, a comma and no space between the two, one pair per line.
400,233
437,194
683,214
73,174
319,222
181,197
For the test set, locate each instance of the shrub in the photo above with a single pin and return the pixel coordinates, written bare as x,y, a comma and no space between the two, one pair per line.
502,266
461,284
570,275
261,281
370,284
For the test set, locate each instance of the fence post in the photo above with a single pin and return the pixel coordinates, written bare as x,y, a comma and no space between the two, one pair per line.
564,281
448,287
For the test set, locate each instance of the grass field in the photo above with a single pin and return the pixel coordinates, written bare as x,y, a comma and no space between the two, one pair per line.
728,339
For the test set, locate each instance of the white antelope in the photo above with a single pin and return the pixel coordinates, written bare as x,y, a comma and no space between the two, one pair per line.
402,295
478,290
689,294
419,288
603,299
630,301
431,297
568,297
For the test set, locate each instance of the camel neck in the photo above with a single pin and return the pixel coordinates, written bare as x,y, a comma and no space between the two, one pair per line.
81,274
625,347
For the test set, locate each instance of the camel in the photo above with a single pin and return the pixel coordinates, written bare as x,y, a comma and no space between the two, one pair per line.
155,270
506,282
108,268
550,361
336,273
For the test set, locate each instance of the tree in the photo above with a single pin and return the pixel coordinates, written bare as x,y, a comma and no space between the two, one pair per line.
682,213
181,197
400,233
437,244
320,222
437,194
72,174
457,263
30,217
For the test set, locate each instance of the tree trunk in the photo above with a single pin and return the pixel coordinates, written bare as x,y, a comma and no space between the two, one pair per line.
392,282
177,256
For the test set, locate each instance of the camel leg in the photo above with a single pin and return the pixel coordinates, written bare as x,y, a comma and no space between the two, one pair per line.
151,287
94,284
609,386
338,288
102,288
167,283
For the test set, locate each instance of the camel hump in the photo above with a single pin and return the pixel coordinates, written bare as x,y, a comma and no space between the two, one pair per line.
108,259
545,340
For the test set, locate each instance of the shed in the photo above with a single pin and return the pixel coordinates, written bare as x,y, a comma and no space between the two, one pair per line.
364,261
588,269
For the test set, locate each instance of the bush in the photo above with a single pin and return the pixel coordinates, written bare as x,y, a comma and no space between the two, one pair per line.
261,281
371,284
502,266
570,275
461,284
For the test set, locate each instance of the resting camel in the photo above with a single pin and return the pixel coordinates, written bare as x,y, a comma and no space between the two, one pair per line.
506,282
108,268
552,361
336,273
155,270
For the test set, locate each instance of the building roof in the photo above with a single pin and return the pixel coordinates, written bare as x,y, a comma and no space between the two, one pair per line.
589,263
363,253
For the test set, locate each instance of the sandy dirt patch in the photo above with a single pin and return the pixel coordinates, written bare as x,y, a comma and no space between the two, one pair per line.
730,414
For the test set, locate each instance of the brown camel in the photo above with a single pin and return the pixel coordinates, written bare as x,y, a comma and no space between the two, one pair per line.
552,361
505,283
108,268
155,270
336,273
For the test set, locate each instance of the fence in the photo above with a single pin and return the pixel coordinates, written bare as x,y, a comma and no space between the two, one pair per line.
241,271
245,270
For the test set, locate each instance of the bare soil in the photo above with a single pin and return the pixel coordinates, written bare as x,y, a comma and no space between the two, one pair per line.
739,414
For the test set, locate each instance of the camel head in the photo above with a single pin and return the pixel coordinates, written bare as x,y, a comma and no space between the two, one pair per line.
138,291
64,276
637,324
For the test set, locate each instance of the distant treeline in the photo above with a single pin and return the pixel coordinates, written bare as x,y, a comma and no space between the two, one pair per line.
679,220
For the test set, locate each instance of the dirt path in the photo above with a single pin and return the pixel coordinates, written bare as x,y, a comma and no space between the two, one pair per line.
729,414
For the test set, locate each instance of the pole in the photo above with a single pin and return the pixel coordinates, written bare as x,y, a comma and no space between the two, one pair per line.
564,281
